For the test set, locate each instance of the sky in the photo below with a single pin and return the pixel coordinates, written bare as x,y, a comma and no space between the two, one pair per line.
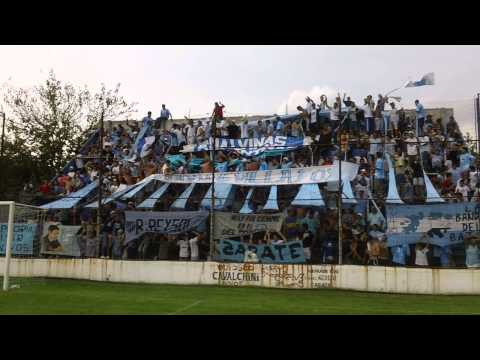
253,79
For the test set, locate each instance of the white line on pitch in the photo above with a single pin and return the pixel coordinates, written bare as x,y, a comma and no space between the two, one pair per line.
186,307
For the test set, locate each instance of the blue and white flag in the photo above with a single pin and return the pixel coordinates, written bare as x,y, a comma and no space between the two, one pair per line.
253,146
428,79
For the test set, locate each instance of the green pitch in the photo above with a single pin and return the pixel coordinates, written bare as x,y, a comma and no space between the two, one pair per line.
58,296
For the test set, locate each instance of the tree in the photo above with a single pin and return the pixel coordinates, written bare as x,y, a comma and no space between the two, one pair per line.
51,121
18,167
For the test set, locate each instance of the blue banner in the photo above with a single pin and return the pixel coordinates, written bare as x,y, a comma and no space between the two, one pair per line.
252,146
437,224
290,252
23,235
138,223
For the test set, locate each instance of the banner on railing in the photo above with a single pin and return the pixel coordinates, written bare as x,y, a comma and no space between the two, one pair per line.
138,223
306,175
251,146
232,224
289,252
23,235
437,224
58,239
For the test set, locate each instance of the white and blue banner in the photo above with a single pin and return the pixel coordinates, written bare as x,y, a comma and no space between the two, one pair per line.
252,146
437,224
138,223
23,235
289,252
306,175
233,224
63,241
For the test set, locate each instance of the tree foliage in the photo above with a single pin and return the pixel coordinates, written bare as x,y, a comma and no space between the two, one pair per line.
49,122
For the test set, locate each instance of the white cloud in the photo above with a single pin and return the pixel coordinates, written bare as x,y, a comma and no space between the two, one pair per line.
297,97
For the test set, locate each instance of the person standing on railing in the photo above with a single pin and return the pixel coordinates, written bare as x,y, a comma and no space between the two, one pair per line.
379,120
420,118
368,116
280,126
218,111
244,129
165,114
311,110
393,115
147,120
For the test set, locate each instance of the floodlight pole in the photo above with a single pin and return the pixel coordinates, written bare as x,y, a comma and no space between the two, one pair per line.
3,134
8,247
213,129
3,146
477,121
339,197
100,176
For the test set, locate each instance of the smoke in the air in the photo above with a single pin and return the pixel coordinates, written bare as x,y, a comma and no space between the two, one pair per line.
297,97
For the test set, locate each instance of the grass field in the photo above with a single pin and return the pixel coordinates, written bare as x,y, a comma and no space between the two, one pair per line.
60,296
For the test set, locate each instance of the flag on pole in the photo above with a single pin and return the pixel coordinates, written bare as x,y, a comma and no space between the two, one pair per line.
427,79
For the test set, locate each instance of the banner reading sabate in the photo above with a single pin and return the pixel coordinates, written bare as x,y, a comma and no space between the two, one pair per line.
290,252
307,175
173,223
437,224
232,224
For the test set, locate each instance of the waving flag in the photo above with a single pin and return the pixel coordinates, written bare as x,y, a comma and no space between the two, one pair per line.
427,79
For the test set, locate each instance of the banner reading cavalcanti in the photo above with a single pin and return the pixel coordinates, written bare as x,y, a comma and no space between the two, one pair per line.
437,224
232,224
138,223
307,175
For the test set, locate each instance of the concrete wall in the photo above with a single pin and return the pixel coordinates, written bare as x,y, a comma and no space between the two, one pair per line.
362,278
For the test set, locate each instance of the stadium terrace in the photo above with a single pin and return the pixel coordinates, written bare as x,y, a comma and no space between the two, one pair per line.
393,183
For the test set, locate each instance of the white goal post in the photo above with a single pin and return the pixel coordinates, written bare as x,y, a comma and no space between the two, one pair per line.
12,213
9,242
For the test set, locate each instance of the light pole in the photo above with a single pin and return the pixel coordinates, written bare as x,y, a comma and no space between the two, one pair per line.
339,206
213,130
3,134
339,196
477,120
100,177
3,148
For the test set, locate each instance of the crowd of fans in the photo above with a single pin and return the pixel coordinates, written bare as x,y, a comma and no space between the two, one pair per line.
367,134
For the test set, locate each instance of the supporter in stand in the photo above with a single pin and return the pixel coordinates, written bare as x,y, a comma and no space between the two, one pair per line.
147,120
421,250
